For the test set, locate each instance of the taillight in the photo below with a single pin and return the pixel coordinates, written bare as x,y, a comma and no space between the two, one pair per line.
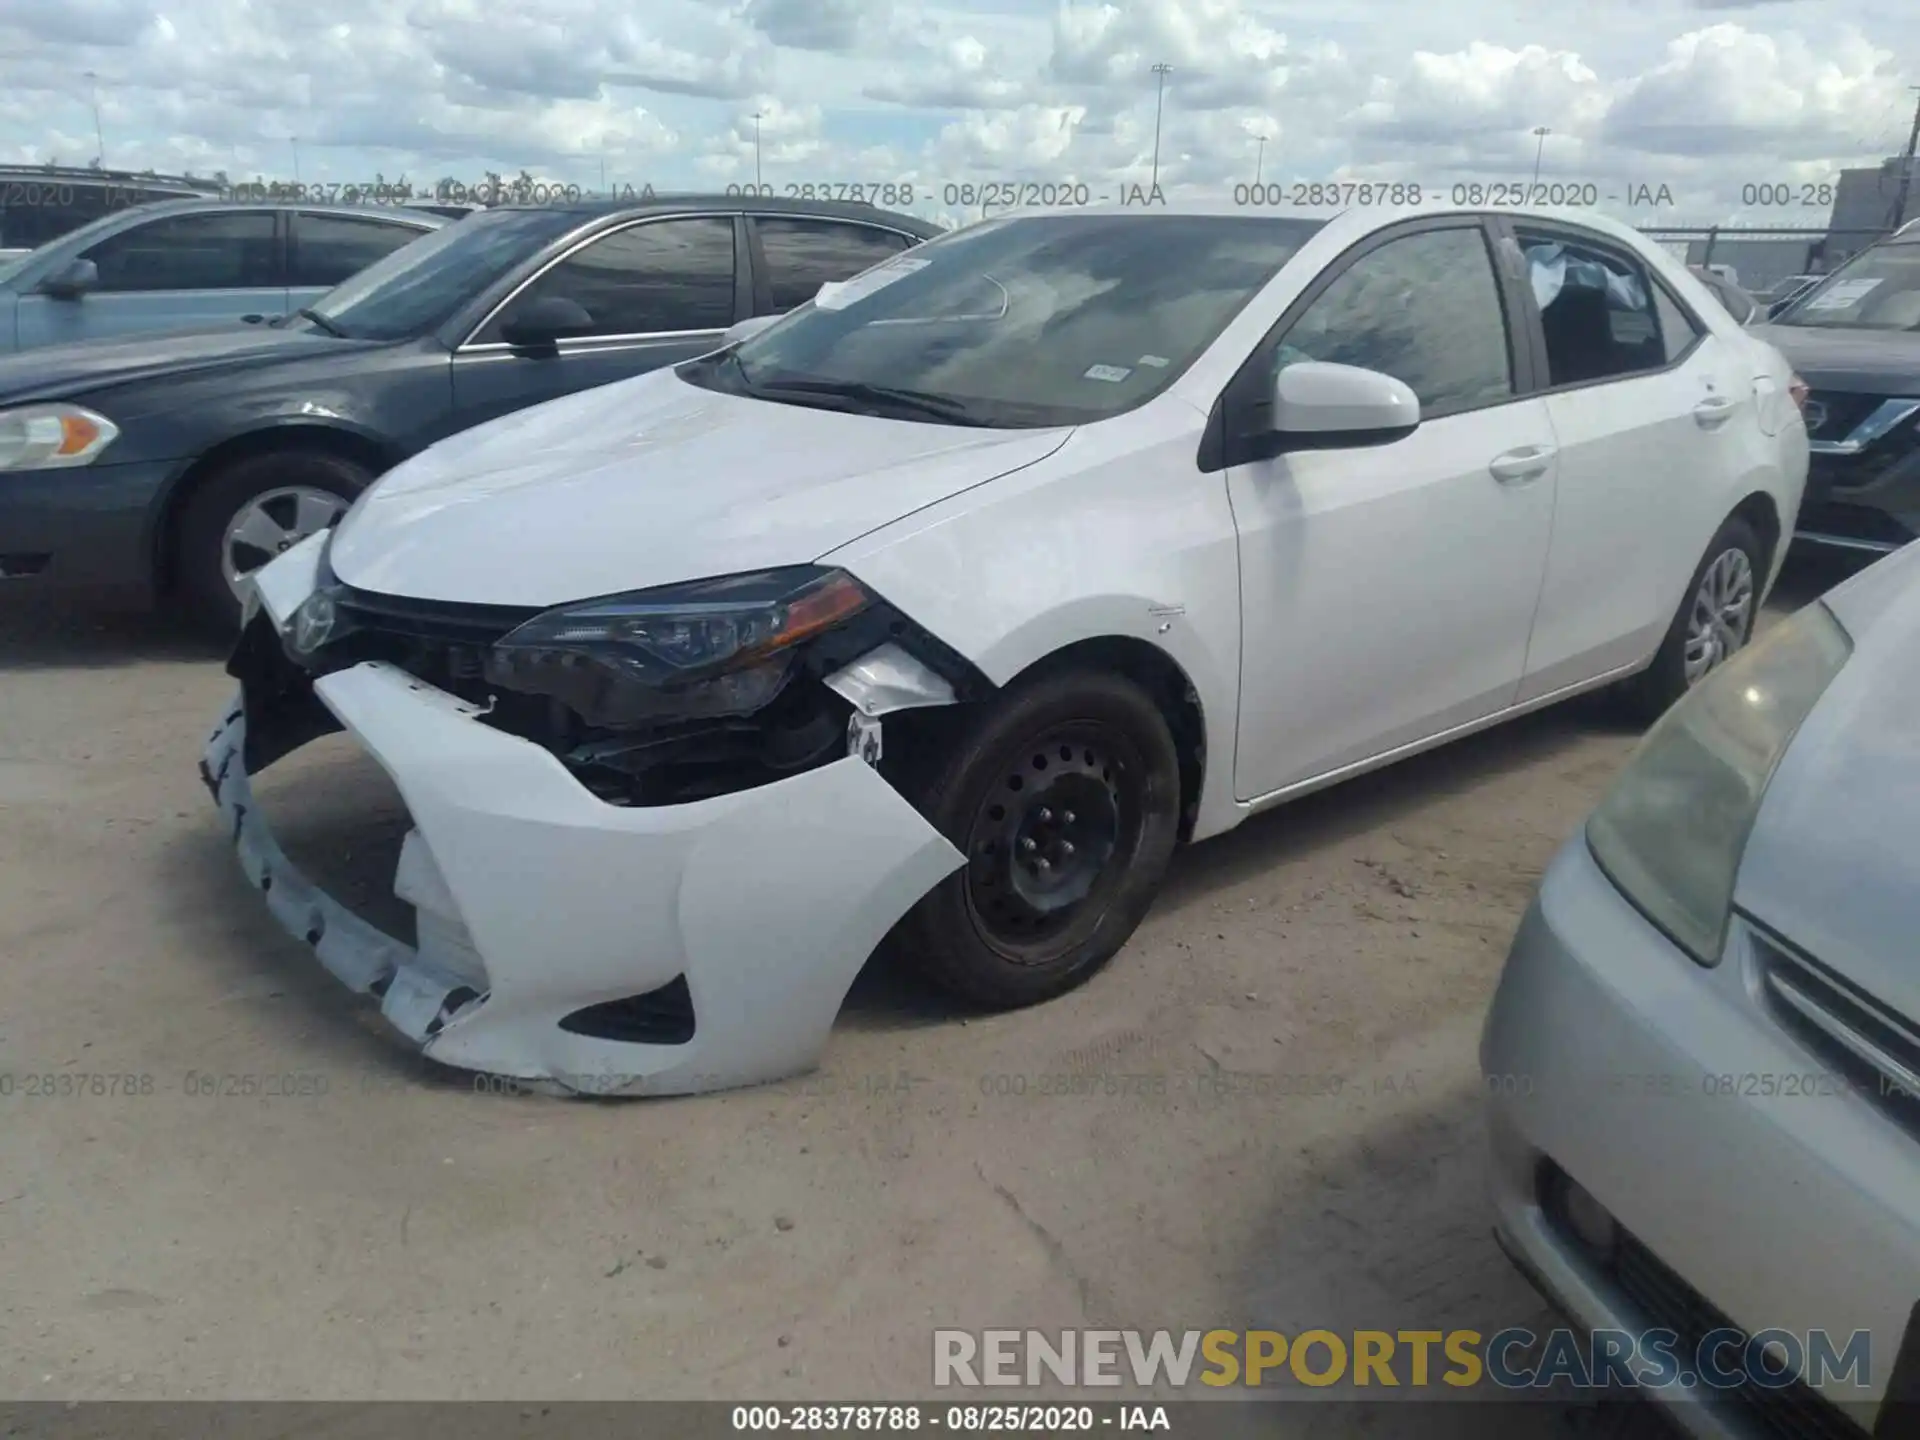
1797,388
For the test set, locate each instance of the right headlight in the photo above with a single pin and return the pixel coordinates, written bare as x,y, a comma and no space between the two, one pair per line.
49,437
1672,829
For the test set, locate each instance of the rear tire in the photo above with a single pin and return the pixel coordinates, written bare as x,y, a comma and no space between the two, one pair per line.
1714,621
276,500
1065,798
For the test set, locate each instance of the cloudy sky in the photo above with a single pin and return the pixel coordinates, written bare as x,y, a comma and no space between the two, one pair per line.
1705,97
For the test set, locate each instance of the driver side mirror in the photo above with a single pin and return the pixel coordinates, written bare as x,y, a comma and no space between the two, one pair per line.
1321,406
540,324
71,280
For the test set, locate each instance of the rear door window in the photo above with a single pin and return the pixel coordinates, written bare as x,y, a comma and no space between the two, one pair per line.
327,249
802,255
226,250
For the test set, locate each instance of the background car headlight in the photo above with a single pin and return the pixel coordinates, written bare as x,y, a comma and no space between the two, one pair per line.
48,437
1672,829
712,648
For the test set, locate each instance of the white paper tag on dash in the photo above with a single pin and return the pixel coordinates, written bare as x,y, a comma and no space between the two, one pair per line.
1842,294
837,295
1158,362
1112,374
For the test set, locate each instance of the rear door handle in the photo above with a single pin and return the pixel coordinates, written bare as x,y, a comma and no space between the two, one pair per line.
1516,467
1714,409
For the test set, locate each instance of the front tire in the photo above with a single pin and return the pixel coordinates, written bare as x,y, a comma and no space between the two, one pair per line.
1715,619
1065,798
246,513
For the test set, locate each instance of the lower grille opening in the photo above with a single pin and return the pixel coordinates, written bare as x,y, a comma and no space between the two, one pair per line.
1666,1301
659,1017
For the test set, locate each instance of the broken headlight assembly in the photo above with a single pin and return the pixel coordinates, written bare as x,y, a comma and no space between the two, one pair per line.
705,650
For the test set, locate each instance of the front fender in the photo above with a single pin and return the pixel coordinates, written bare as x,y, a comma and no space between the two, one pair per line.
1116,534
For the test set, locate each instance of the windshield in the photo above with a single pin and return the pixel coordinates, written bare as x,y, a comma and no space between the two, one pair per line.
1021,322
1879,289
9,267
415,288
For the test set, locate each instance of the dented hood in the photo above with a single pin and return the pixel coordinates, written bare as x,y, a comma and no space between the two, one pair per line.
648,482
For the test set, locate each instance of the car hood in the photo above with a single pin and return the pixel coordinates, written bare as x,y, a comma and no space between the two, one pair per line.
1833,863
647,482
1857,362
64,372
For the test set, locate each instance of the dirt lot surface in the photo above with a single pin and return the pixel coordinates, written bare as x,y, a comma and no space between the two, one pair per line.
1301,1148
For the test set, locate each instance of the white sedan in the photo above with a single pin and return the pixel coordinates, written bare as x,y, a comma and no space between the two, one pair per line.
945,607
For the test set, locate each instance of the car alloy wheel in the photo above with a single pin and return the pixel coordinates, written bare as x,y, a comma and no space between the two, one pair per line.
1044,839
1721,616
272,522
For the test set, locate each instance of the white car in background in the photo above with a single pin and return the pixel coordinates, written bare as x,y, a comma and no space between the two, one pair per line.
949,604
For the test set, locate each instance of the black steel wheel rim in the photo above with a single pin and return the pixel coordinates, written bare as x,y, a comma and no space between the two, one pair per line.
1053,833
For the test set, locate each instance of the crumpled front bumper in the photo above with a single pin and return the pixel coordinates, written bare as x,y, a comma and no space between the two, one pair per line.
535,899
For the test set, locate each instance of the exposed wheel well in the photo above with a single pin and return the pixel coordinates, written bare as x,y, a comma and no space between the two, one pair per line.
323,439
1161,677
1759,511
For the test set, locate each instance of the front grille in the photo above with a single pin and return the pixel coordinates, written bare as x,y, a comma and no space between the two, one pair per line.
436,641
1665,1301
1792,1412
1876,1048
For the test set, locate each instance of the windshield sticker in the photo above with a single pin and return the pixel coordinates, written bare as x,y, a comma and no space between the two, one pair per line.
1112,374
838,295
1840,295
1158,362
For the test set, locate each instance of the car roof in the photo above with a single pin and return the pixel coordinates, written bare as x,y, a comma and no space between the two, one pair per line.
679,201
324,207
1359,221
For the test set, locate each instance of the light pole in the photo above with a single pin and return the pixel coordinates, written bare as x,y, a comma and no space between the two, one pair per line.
100,142
1542,132
756,150
1162,70
294,141
1259,158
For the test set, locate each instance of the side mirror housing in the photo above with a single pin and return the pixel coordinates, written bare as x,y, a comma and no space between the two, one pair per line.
746,329
1322,406
542,323
71,280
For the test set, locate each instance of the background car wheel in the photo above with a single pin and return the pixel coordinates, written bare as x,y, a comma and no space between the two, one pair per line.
1716,618
248,512
1065,799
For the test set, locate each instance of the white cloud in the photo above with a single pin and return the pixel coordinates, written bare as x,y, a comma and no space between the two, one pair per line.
945,90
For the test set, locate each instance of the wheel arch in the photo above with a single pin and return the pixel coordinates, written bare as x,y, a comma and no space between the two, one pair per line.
1165,681
1760,510
354,445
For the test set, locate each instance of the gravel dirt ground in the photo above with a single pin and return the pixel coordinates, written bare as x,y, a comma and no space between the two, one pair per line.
1304,1149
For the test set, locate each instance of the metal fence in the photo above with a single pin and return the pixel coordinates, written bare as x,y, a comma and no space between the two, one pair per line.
1762,257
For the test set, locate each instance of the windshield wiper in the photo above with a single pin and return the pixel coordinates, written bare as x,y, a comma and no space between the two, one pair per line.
325,324
917,402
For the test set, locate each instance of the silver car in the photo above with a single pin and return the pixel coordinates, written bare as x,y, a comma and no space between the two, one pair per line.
182,264
1703,1058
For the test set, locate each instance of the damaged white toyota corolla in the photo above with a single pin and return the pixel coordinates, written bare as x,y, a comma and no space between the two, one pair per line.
943,608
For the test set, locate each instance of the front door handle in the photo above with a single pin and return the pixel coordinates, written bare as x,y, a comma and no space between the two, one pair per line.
1715,409
1516,467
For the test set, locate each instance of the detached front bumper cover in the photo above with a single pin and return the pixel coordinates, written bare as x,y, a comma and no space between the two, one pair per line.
536,900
